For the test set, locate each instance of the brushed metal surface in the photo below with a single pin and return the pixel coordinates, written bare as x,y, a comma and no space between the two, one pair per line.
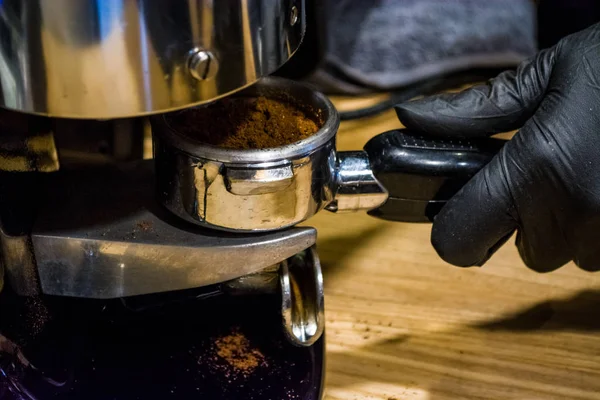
117,58
101,234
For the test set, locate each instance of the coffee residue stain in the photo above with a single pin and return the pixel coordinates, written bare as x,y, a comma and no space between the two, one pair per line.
144,226
235,349
233,357
245,123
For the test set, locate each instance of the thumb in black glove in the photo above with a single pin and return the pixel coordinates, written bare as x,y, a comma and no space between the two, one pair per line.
545,182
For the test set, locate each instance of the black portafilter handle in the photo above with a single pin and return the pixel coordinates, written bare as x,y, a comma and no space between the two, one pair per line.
422,173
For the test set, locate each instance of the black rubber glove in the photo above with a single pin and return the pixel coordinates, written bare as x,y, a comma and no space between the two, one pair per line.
545,183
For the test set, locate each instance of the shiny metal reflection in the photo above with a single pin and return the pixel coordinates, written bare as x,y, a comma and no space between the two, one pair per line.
303,306
120,58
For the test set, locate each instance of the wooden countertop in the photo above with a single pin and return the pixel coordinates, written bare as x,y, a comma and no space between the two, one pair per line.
402,324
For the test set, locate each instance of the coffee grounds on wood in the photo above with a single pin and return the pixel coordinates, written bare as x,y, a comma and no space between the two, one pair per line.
245,123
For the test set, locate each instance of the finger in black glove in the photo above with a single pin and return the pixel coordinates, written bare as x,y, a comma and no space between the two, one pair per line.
545,182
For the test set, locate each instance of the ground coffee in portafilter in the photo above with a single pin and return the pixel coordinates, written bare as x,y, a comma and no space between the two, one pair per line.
245,123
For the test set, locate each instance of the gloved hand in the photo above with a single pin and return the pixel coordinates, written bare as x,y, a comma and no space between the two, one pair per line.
545,182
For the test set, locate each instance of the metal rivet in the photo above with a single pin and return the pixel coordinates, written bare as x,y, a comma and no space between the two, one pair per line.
203,65
294,15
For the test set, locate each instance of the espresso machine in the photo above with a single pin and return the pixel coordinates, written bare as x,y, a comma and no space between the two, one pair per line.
136,263
106,294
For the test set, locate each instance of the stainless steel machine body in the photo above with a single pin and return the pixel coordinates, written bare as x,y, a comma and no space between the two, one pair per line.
92,228
119,58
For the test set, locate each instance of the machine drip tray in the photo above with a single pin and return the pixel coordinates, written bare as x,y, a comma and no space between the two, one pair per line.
222,347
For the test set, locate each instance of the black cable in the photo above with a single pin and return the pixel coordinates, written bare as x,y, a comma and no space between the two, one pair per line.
424,88
382,106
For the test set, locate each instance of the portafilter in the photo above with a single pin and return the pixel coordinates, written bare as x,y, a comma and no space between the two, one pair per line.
398,175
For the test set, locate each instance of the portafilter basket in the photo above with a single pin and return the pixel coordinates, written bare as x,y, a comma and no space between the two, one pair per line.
398,176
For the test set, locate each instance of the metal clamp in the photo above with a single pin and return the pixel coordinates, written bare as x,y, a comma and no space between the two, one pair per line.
302,303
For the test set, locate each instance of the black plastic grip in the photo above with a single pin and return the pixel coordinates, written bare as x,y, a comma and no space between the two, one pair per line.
421,174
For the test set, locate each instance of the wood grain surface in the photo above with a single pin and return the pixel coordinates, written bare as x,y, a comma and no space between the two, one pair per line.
402,324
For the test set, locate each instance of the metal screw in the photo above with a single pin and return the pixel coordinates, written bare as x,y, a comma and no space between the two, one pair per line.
294,15
203,65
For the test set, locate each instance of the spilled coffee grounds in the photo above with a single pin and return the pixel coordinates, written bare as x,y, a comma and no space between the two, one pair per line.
245,123
236,350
